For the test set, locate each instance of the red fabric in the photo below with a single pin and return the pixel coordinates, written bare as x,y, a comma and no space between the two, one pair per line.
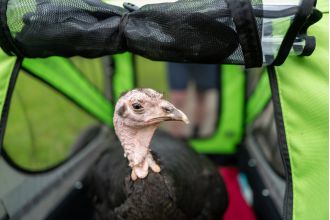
238,209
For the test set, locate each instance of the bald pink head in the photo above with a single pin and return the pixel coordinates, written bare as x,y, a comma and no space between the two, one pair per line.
137,115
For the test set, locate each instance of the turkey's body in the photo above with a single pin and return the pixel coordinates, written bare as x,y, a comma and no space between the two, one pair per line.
188,186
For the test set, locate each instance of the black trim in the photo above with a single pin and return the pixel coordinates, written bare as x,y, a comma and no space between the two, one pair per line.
246,27
310,41
5,110
305,9
113,67
244,112
313,18
3,28
6,40
310,44
288,199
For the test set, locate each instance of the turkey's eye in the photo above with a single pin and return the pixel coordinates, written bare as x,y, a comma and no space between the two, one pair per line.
137,107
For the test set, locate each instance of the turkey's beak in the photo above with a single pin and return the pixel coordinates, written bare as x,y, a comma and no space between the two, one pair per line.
173,114
169,113
178,115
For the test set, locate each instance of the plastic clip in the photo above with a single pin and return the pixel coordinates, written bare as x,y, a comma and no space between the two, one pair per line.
130,7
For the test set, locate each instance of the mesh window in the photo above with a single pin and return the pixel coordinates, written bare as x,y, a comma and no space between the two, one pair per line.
43,127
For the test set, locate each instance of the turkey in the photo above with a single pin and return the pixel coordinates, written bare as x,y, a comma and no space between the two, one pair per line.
159,178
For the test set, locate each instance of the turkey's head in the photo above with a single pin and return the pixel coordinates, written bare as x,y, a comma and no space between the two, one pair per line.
137,115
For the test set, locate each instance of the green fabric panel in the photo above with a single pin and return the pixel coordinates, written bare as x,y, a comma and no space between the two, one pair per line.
66,78
323,5
259,99
123,78
230,127
303,90
7,64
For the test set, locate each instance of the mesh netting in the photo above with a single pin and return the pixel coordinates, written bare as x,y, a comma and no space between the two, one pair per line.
203,31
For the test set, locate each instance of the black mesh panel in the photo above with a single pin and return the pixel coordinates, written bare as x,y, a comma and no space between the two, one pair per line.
184,31
67,28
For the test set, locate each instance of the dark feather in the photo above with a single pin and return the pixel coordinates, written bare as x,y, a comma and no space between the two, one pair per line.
188,186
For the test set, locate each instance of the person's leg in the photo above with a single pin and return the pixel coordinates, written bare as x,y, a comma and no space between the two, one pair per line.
178,78
206,78
199,113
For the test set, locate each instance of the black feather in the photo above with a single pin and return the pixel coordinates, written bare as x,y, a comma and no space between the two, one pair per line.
188,186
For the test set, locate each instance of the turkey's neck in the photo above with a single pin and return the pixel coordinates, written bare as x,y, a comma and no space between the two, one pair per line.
135,142
137,137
